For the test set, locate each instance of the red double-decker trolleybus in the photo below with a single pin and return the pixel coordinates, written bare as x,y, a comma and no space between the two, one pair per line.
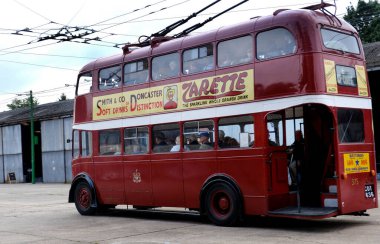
268,117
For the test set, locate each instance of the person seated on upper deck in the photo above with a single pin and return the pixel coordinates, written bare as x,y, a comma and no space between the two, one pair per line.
173,69
248,57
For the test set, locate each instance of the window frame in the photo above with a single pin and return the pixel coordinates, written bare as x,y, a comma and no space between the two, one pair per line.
156,148
337,79
199,58
137,71
257,46
178,61
89,144
343,33
118,84
340,137
136,137
212,137
119,145
219,54
250,143
78,87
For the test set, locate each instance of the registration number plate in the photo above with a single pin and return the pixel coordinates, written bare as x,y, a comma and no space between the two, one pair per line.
369,191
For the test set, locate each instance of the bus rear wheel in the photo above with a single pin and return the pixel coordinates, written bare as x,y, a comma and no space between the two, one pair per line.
221,204
83,199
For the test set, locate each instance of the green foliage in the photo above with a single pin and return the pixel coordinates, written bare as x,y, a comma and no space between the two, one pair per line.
366,19
21,103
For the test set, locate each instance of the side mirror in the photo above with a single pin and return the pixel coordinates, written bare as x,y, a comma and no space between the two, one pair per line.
68,140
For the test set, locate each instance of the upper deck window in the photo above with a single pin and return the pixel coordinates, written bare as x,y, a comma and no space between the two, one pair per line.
84,83
136,72
165,66
198,59
109,78
275,43
235,51
346,76
340,41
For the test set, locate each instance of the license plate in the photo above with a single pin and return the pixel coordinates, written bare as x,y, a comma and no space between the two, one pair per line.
369,191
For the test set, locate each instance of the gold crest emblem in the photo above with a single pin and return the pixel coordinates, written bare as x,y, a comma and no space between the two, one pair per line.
136,176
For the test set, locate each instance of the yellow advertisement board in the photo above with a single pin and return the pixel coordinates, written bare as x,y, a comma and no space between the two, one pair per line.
330,76
356,162
223,89
362,80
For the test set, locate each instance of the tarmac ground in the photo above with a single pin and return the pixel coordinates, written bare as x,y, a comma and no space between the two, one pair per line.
40,213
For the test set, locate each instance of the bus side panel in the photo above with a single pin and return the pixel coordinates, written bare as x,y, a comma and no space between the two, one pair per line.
167,181
83,165
353,195
109,179
197,167
278,77
249,176
138,180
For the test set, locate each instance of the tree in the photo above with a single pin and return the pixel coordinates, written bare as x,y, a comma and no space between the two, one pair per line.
62,97
21,103
366,19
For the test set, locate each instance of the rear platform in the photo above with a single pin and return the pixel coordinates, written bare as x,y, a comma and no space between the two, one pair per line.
305,212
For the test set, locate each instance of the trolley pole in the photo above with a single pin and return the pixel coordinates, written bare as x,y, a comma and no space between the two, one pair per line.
32,138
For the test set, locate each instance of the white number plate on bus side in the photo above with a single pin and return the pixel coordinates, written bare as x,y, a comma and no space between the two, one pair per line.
368,190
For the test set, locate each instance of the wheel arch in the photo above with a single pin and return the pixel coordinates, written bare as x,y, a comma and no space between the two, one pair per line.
83,177
221,178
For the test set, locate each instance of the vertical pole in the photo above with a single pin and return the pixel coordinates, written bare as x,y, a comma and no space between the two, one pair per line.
32,138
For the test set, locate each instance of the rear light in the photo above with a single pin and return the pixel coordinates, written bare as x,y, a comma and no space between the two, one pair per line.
344,176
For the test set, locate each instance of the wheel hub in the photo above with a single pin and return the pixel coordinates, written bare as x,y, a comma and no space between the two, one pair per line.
223,203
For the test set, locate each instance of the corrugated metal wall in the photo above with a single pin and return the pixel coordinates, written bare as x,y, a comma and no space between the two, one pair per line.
11,152
2,179
56,153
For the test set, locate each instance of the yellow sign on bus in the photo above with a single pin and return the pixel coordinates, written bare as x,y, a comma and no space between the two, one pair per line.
362,80
229,88
330,76
356,162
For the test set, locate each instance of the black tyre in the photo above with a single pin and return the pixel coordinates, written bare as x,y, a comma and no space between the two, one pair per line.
83,199
222,204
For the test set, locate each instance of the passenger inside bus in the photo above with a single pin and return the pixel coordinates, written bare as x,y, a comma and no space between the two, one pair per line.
160,144
204,141
296,151
247,57
192,142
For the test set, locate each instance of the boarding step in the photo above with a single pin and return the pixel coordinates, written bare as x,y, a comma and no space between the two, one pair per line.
329,200
330,185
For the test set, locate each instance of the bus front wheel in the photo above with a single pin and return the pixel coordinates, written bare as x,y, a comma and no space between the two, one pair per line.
83,199
221,204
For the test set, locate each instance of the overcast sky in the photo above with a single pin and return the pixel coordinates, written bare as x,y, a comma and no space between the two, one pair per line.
27,62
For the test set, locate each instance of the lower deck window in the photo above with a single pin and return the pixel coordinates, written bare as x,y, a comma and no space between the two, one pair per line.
109,142
235,132
350,125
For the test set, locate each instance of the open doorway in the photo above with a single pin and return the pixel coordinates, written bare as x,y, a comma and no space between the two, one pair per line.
307,132
374,77
27,152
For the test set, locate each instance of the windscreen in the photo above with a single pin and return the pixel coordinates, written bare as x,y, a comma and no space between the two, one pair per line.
340,41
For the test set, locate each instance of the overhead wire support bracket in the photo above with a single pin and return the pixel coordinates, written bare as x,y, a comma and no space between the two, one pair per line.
173,26
162,33
199,25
